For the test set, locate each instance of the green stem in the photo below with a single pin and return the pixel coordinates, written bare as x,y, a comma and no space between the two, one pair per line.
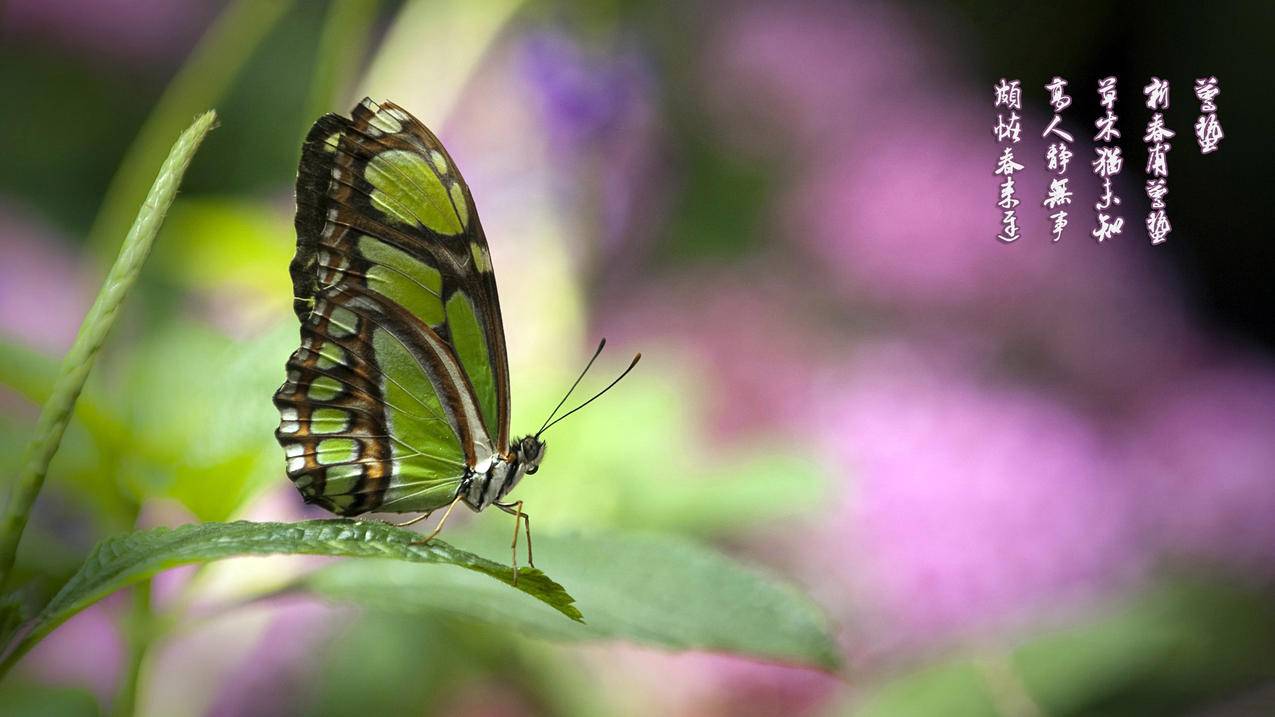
56,412
213,65
139,630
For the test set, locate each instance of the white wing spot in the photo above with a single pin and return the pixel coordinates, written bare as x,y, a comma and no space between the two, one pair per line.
440,162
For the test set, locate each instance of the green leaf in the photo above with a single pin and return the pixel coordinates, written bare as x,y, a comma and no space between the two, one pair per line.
658,590
121,561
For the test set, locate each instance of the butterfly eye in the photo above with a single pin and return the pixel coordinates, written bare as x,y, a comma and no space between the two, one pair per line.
532,470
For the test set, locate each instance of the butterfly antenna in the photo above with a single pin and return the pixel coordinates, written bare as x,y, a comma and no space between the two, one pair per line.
579,378
596,396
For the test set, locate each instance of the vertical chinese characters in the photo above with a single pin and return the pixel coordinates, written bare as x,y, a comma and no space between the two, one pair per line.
1008,94
1208,131
1057,156
1107,163
1157,93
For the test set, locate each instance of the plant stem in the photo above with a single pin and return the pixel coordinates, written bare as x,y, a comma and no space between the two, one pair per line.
139,630
56,412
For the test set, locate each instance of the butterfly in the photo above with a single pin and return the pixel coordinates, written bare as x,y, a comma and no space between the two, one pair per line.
398,398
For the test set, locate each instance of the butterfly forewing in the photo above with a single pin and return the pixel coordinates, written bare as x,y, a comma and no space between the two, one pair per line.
401,384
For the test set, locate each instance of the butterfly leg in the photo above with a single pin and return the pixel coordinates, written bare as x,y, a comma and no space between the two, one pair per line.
515,509
439,528
414,521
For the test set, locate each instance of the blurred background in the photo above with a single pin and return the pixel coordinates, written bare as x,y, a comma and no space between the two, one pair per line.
1028,479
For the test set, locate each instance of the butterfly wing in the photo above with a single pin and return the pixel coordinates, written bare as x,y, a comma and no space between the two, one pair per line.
400,387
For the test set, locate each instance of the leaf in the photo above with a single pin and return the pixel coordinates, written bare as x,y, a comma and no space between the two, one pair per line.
121,561
658,590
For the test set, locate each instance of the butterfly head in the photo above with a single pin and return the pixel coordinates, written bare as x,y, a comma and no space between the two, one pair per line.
529,451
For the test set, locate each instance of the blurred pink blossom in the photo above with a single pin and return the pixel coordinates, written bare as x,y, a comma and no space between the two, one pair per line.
969,503
905,212
87,651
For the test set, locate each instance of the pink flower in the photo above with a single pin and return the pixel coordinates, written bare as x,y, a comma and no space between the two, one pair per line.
968,503
1204,459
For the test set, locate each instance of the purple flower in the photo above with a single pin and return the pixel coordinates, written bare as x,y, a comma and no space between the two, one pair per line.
596,110
968,503
583,96
1202,453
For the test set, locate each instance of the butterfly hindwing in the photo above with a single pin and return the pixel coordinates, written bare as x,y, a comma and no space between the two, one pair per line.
400,386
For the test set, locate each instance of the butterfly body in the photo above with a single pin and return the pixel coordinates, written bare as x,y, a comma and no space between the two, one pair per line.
398,398
482,489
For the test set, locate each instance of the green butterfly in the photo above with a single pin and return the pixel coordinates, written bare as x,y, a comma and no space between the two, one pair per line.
398,398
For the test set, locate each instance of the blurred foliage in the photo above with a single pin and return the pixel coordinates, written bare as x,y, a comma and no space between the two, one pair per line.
1185,643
